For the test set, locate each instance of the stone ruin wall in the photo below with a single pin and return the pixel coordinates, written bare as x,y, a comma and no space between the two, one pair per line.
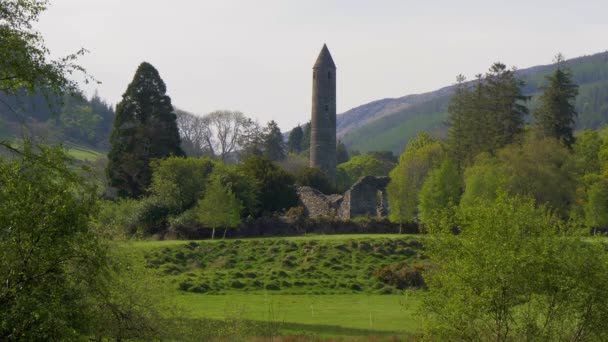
367,197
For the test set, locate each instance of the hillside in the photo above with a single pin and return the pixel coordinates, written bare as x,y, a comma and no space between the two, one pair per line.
389,123
72,120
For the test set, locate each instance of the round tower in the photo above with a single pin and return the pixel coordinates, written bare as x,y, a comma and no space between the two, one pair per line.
323,119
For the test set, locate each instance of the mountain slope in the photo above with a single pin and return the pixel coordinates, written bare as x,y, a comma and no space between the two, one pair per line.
389,123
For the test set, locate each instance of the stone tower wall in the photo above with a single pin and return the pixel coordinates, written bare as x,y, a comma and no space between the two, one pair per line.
323,119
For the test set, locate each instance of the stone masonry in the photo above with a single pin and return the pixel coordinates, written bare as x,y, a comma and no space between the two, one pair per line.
367,197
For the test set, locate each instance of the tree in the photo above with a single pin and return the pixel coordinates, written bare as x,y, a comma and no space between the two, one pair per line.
515,272
487,116
277,190
440,193
195,134
180,182
306,137
422,154
294,143
274,146
543,169
341,153
596,208
556,114
587,150
314,178
229,128
362,165
24,59
219,208
49,256
145,129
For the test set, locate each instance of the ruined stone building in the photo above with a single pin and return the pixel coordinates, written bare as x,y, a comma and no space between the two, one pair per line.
367,197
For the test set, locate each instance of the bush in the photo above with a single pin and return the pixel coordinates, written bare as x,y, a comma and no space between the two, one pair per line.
401,276
277,190
314,178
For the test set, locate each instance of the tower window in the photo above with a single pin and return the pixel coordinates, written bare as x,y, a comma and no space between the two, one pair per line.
326,108
329,75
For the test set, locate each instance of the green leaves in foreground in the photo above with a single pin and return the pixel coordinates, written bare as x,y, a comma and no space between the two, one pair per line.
515,273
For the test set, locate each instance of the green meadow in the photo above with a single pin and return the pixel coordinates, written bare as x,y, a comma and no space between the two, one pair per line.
322,286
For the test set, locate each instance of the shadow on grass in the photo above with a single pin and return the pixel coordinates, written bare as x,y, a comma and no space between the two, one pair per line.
335,330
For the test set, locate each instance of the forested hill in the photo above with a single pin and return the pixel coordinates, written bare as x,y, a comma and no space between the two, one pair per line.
389,123
74,120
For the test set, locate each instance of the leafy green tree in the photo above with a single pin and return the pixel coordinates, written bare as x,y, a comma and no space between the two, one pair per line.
362,165
24,58
556,114
144,129
274,146
219,208
341,153
440,193
423,154
245,187
515,272
596,208
276,186
49,256
315,178
587,150
294,143
543,169
180,182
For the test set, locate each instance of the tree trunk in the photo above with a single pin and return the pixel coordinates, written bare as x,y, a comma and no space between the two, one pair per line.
224,237
213,233
400,227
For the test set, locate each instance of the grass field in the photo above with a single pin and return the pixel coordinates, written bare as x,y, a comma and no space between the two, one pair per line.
320,285
324,315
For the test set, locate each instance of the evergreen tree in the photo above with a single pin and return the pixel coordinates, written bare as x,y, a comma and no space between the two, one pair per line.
145,128
556,114
459,141
487,116
306,137
274,146
341,153
294,143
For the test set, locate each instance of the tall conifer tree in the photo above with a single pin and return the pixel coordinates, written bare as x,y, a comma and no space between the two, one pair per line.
274,146
145,128
555,117
294,143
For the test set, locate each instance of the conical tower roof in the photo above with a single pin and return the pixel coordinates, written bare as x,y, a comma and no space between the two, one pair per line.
324,60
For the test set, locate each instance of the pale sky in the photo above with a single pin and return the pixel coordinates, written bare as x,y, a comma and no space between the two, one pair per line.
256,56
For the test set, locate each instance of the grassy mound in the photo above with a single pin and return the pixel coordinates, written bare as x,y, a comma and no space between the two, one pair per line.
374,265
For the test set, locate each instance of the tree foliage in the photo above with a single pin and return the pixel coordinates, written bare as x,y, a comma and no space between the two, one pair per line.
440,193
555,116
219,207
273,144
144,129
180,182
294,142
514,273
24,59
314,178
277,190
362,165
543,169
422,155
487,116
48,255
